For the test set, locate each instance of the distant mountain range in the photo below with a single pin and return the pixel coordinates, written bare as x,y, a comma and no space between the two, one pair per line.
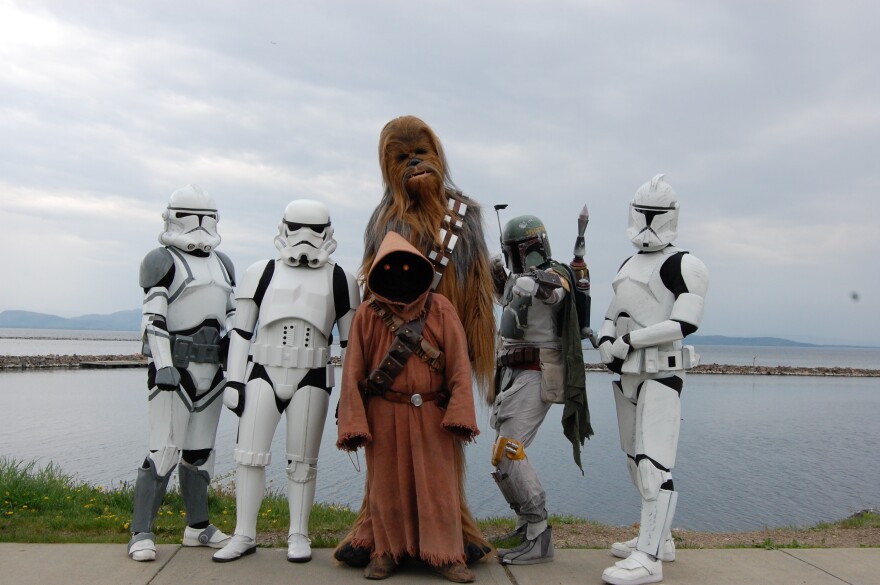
131,321
119,321
752,341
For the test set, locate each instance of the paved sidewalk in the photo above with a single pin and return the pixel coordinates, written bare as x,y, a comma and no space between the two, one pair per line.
98,564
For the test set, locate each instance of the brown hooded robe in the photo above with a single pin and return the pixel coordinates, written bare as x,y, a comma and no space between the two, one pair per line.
414,456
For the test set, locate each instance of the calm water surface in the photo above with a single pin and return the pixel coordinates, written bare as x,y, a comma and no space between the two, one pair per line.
755,451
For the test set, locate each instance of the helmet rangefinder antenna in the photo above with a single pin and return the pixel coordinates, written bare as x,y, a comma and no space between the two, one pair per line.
498,208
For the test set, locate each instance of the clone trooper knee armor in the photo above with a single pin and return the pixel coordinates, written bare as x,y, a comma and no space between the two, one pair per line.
658,300
286,309
187,305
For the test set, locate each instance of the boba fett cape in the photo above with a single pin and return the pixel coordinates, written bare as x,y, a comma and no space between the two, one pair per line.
575,411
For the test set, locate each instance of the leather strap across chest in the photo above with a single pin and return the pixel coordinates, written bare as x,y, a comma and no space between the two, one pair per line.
408,340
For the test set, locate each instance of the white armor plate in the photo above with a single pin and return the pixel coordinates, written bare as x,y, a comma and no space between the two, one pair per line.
200,291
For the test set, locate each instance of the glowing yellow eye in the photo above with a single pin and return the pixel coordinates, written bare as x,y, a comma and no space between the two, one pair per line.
406,267
386,267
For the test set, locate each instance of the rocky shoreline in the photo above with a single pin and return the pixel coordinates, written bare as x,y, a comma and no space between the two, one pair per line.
33,362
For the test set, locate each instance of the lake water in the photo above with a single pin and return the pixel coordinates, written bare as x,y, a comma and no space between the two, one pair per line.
755,451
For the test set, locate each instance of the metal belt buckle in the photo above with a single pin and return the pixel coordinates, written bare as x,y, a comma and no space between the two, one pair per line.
416,399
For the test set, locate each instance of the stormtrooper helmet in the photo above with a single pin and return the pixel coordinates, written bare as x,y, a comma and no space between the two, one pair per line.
525,243
305,236
191,220
653,216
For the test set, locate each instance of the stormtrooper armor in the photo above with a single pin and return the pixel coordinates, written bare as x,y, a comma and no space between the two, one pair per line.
658,300
187,307
286,309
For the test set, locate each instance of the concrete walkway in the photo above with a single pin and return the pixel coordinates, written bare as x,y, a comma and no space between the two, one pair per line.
98,564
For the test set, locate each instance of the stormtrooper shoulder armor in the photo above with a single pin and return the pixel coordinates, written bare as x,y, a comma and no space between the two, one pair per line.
346,295
255,281
155,267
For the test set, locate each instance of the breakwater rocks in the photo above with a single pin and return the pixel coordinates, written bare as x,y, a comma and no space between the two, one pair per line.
769,370
28,362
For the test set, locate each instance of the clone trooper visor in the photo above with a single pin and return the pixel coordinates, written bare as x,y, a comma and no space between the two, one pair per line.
191,229
652,227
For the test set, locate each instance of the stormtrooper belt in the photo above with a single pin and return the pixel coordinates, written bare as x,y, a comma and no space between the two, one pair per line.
651,361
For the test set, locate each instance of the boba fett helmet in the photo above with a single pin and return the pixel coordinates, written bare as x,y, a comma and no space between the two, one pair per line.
525,243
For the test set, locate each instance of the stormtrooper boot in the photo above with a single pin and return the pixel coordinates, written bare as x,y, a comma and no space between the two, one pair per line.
639,568
238,546
250,481
300,496
624,549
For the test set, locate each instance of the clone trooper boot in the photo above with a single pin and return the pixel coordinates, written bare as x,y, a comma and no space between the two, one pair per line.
238,546
531,551
142,547
624,549
637,569
210,537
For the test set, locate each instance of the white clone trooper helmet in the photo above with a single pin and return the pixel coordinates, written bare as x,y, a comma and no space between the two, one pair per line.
305,236
191,220
653,216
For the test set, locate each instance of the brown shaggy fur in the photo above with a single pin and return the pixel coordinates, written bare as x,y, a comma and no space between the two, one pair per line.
417,187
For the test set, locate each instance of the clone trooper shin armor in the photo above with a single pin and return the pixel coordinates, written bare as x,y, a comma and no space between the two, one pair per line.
658,300
286,309
187,304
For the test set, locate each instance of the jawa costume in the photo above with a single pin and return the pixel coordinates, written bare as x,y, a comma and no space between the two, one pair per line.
407,398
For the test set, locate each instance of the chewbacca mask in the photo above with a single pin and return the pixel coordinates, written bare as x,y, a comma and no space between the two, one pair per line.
421,203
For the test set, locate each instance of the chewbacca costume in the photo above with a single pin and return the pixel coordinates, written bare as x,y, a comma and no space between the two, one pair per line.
413,453
422,204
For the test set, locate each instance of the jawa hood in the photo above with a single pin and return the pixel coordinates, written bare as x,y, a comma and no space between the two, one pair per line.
400,277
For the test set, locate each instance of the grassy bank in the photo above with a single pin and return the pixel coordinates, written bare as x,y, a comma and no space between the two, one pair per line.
43,504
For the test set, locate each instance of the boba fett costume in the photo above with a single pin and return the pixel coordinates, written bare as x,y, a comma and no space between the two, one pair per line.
539,363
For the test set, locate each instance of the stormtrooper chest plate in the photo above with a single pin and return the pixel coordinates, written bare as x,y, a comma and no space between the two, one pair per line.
639,292
200,291
300,293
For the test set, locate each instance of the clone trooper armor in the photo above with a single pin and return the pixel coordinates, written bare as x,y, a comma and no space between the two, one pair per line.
529,377
187,305
286,309
658,300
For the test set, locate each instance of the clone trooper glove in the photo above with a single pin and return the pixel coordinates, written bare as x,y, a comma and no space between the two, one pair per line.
233,397
167,378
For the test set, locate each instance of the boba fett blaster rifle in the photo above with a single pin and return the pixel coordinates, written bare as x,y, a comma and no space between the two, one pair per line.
582,279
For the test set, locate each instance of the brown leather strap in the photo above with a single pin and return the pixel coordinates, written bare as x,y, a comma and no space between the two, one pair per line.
524,358
407,340
370,389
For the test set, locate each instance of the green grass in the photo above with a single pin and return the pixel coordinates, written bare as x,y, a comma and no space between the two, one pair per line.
47,505
43,504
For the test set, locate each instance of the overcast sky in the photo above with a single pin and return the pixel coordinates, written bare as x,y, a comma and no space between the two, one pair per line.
765,117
